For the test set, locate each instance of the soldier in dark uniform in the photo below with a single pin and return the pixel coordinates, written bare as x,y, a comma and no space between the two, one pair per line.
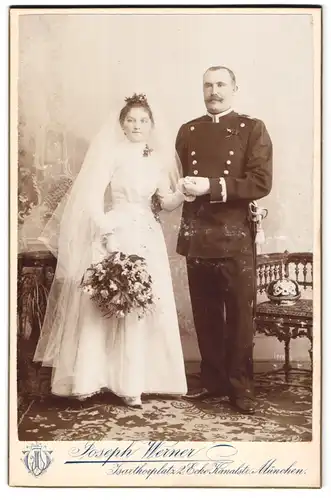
227,163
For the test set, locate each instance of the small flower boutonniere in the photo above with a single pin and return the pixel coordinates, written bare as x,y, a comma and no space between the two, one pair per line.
147,151
231,132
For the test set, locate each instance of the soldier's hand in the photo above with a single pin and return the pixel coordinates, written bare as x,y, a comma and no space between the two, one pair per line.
196,186
181,188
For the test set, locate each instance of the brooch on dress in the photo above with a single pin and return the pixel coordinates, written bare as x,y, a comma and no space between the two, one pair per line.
147,151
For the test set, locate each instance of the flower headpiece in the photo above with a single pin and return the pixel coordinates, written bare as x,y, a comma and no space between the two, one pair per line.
137,99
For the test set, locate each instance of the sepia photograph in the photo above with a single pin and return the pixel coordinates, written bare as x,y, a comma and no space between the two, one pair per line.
165,227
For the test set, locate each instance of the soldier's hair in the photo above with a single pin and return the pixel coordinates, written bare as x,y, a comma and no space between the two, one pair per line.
231,73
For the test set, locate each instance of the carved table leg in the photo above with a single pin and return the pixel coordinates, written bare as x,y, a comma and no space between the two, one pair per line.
287,359
311,353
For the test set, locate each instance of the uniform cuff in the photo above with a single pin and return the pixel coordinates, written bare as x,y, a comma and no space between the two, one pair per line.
218,191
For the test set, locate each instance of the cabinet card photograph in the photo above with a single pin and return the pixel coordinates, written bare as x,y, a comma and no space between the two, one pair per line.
165,275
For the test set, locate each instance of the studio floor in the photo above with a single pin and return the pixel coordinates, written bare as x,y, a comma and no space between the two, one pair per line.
284,414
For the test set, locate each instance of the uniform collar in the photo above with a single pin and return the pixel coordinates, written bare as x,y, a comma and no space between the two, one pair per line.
216,118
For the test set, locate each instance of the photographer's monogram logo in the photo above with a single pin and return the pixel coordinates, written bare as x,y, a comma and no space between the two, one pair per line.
37,459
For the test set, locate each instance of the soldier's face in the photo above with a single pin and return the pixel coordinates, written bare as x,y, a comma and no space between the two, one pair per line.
218,90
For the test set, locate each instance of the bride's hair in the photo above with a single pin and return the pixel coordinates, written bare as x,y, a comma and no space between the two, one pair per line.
136,101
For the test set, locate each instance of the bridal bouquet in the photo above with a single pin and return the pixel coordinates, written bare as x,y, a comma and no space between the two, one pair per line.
119,284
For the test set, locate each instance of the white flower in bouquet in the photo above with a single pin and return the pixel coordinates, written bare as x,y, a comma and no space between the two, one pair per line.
144,276
141,297
112,286
88,289
104,294
89,274
137,286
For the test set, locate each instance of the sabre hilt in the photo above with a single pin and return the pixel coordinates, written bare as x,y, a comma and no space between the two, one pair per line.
256,216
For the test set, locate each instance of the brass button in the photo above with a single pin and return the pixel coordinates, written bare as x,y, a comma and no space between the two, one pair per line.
192,128
194,162
231,153
195,172
243,125
226,172
193,153
228,162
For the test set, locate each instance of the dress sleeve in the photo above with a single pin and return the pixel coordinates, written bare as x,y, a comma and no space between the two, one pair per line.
96,203
169,198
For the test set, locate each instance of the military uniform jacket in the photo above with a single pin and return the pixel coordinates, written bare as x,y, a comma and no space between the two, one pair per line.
238,150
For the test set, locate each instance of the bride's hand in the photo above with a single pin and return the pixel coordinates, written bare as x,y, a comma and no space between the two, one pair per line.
105,240
180,185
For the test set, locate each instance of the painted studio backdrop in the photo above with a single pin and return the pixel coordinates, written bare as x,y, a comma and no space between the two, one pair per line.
75,69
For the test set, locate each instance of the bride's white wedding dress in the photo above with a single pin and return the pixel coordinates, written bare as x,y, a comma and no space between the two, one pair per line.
129,356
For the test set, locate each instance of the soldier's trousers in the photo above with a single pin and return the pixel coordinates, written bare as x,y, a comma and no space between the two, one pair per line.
222,293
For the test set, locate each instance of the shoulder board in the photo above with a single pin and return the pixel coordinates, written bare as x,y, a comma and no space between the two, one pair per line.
247,116
195,120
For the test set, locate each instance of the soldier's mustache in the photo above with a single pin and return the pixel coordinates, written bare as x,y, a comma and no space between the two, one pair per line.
215,98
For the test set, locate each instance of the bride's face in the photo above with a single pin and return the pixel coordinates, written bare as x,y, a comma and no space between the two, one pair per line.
137,125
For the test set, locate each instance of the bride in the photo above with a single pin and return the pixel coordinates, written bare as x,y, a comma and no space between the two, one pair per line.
89,353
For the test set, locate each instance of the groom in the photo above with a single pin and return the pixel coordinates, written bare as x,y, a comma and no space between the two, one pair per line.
227,163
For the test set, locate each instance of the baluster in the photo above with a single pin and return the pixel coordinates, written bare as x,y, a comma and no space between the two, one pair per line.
258,277
286,270
305,276
275,271
297,271
265,274
261,275
270,273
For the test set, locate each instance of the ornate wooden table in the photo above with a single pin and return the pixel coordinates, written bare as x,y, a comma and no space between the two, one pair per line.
283,321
